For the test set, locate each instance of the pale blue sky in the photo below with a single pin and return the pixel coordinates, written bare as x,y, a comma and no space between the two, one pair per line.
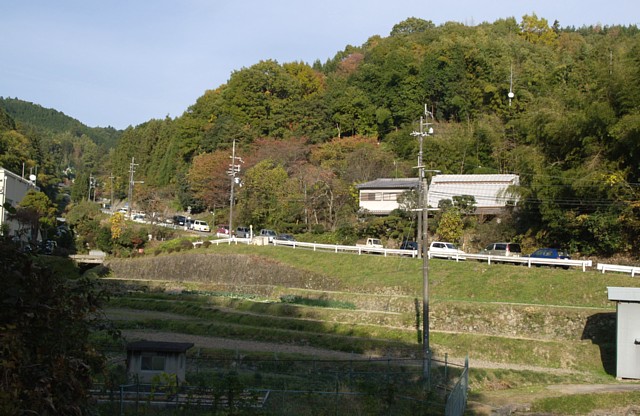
123,62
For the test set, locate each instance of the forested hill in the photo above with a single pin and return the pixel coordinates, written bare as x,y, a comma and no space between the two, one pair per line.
560,107
576,99
55,122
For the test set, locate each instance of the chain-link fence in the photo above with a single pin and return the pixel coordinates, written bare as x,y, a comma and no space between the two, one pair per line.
272,386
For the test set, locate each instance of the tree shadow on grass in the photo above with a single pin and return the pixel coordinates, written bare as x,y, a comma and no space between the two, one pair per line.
600,328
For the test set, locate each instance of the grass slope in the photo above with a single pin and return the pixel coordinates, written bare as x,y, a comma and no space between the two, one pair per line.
525,326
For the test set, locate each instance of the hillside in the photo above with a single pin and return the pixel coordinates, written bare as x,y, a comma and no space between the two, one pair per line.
523,329
51,121
308,133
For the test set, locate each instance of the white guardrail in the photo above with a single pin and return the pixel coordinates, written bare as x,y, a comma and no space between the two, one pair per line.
528,261
618,268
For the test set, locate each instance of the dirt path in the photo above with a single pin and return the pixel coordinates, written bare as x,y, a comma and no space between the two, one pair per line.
237,344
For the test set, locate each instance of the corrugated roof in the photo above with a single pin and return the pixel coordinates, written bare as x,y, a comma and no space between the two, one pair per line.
390,183
488,190
485,178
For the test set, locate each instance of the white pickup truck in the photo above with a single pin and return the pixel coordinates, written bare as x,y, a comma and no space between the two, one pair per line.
371,243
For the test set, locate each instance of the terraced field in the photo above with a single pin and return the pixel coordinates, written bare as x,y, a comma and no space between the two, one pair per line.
525,330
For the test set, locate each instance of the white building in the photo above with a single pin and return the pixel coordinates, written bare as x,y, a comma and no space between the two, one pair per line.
13,189
628,330
380,197
492,193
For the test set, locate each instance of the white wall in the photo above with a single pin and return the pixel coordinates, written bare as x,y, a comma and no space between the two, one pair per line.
628,352
13,188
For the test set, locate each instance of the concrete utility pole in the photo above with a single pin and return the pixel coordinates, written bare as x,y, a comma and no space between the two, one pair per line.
111,201
91,186
423,239
132,170
234,169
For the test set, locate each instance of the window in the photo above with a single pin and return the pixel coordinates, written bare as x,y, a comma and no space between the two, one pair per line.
153,362
371,196
390,196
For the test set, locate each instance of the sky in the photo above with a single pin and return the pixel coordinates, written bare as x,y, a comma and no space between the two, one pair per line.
120,63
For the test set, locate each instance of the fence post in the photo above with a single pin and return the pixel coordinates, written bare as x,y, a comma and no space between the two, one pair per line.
121,400
337,396
446,368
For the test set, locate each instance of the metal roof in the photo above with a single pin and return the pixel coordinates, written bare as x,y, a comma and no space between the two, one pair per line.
390,183
159,346
624,294
489,191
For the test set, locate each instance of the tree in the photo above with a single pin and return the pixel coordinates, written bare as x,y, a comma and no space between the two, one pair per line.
412,25
38,212
450,226
83,218
14,151
263,194
208,178
46,360
537,30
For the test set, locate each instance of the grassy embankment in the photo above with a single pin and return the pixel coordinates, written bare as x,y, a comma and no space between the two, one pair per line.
539,326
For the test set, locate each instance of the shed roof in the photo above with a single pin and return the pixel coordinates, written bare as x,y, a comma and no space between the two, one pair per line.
624,294
159,346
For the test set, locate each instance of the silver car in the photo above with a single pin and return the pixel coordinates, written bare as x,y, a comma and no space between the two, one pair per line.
503,249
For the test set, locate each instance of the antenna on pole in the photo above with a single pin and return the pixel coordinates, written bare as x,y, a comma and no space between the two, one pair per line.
511,94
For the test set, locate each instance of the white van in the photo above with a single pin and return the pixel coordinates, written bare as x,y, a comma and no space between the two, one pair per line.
270,234
199,225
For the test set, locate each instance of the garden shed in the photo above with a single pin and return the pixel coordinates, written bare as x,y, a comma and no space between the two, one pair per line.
627,330
147,359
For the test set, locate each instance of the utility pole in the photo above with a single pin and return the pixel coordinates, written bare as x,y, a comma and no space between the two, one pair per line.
234,168
91,186
423,244
132,170
111,201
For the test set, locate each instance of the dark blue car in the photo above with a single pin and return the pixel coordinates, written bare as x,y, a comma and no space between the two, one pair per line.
550,253
409,245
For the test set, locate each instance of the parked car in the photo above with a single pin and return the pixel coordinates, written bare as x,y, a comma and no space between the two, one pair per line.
243,232
409,245
179,220
445,249
551,253
371,243
285,237
503,249
139,218
223,229
199,225
270,234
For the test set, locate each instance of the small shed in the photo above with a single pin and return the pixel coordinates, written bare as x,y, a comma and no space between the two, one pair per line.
147,359
627,330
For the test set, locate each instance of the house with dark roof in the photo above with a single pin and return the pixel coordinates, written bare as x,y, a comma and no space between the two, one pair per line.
492,193
147,359
380,197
